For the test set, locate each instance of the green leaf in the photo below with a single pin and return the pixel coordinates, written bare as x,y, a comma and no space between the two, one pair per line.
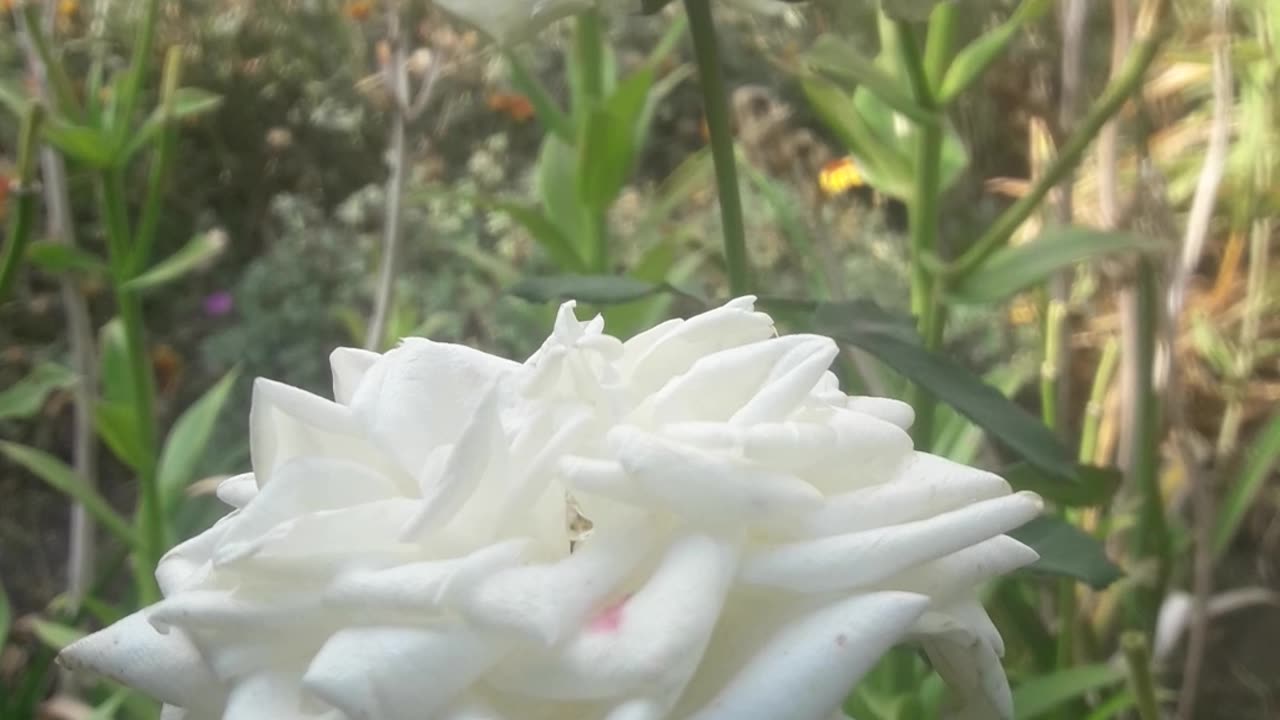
835,58
53,635
890,128
25,397
186,103
594,289
6,616
887,168
117,425
1261,457
1014,268
1089,486
691,175
114,374
557,186
188,440
544,231
545,107
969,64
196,254
56,257
84,144
107,709
1066,550
1037,696
950,382
63,479
608,145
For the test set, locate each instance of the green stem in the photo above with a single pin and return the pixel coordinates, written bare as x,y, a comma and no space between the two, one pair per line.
587,71
24,211
128,97
1054,328
140,253
937,46
1138,659
1151,543
149,519
716,103
1108,104
63,89
1102,378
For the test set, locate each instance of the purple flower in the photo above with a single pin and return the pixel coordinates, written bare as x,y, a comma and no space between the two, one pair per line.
218,303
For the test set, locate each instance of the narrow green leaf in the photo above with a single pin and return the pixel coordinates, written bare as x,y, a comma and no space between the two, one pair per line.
691,175
22,221
1115,706
188,440
1037,696
53,635
594,289
82,143
951,383
835,58
25,397
196,254
6,616
969,64
117,425
886,167
107,709
545,107
544,231
63,479
187,103
1089,486
1014,268
56,257
608,145
1262,456
113,373
1067,551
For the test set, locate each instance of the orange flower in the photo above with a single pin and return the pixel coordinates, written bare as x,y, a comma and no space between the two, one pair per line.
68,9
513,105
358,10
840,175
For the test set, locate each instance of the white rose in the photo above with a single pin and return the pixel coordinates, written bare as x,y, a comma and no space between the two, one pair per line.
758,541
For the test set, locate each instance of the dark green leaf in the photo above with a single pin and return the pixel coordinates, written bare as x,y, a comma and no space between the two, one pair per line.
188,441
196,254
594,289
1015,268
1088,486
117,425
25,397
950,382
1262,456
1065,550
1037,696
56,257
6,616
63,479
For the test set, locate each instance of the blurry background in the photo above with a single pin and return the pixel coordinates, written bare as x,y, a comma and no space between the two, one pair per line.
285,180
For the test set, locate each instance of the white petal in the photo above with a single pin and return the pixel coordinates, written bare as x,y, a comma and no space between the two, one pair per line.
947,577
285,423
887,409
167,667
847,561
189,564
653,639
789,383
398,673
238,490
349,366
905,500
422,394
805,671
272,696
972,671
709,489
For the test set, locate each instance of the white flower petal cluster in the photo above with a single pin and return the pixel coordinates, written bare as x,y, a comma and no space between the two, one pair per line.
409,550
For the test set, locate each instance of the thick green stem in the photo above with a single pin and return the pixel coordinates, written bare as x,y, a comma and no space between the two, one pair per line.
1138,659
1102,378
1151,536
1117,92
716,104
24,210
1054,328
149,518
140,252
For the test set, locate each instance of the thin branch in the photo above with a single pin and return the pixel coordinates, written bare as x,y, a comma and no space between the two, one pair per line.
1193,242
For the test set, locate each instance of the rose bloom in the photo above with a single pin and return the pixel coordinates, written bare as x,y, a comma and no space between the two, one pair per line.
415,548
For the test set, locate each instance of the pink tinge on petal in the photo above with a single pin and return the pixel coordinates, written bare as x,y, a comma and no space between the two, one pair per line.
609,619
